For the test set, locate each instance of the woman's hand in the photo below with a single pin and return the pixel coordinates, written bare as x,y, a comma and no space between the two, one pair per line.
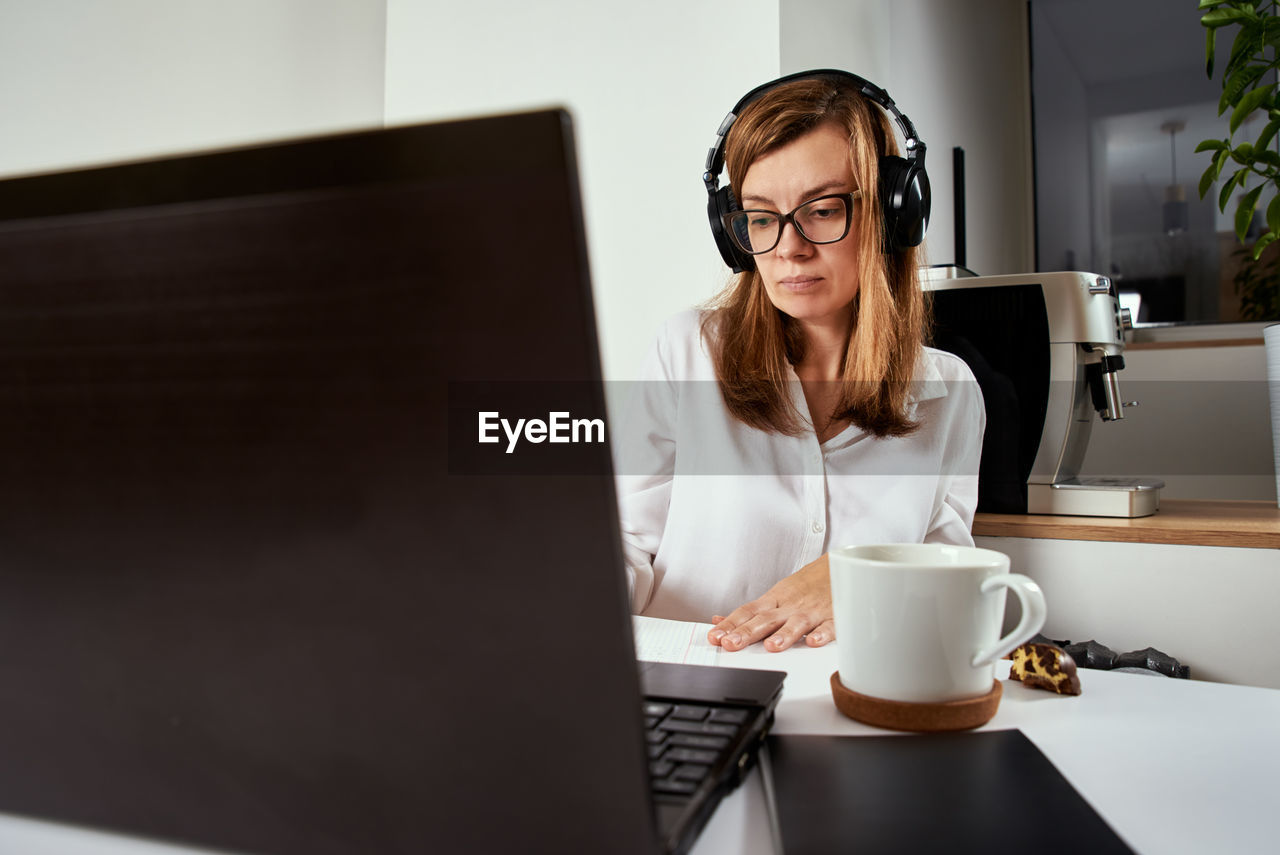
797,607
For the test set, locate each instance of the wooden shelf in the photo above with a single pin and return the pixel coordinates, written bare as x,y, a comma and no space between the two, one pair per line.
1174,344
1179,521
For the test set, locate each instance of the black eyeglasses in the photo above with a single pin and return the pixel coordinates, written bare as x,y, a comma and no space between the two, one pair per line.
822,220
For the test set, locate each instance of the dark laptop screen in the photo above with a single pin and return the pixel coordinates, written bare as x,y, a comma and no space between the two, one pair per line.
253,594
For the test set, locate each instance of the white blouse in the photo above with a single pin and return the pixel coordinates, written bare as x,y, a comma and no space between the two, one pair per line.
715,512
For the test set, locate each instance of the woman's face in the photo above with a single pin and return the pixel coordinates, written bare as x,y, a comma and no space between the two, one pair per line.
813,283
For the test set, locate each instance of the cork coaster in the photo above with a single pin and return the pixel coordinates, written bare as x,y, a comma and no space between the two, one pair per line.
901,715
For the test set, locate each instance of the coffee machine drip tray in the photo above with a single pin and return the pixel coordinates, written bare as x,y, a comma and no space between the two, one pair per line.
1096,497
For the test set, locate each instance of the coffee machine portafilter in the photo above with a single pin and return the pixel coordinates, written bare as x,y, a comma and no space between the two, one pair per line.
1046,349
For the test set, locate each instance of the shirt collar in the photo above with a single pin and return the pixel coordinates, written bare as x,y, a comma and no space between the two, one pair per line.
927,383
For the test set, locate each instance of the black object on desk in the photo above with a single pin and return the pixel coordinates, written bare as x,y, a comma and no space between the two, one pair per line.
984,793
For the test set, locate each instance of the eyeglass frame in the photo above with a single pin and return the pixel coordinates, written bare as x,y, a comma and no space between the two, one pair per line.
790,217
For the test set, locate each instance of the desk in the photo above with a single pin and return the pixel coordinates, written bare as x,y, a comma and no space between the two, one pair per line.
1174,766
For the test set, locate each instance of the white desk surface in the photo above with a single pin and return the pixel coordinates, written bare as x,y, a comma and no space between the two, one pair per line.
1174,766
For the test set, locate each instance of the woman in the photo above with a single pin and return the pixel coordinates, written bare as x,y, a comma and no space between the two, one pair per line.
800,411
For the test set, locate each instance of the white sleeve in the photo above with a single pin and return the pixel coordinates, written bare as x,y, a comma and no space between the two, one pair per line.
644,460
952,520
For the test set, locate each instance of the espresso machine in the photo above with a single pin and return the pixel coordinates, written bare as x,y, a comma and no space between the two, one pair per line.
1045,349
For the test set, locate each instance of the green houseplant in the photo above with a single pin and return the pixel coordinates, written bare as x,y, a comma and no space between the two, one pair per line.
1249,91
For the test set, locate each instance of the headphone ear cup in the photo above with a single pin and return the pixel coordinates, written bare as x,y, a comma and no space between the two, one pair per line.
905,199
718,204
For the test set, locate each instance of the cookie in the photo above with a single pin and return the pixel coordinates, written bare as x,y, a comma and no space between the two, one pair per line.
1043,666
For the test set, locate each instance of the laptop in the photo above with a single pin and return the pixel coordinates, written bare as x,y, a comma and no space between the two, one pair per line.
266,583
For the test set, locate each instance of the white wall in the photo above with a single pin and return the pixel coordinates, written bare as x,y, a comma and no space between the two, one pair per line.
959,71
93,82
648,84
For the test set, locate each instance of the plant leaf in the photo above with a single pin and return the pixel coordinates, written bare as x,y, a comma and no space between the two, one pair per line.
1209,4
1271,30
1236,82
1248,103
1273,214
1267,156
1222,17
1207,178
1212,145
1224,195
1246,45
1263,242
1220,163
1244,211
1208,55
1268,134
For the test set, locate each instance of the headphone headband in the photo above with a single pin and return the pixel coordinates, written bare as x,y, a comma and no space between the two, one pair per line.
904,185
914,146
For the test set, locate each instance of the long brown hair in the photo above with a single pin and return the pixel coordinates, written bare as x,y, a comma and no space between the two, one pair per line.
751,341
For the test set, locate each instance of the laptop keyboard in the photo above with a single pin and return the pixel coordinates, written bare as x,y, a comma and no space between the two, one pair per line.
687,742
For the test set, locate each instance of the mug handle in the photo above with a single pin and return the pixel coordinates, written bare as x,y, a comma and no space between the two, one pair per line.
1033,615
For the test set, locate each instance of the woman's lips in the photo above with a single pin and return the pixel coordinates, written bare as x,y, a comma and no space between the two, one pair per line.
799,284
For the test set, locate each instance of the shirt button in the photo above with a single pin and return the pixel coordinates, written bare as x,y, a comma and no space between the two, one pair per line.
817,527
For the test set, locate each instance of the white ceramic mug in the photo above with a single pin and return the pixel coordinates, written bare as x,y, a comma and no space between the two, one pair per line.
920,622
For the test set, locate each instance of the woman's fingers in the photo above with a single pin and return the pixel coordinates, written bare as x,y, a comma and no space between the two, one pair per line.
823,633
744,626
790,632
796,607
779,628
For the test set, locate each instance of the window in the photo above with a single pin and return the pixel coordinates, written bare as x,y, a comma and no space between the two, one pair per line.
1121,100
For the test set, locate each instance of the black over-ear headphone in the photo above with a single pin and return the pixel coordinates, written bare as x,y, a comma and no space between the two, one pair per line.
904,185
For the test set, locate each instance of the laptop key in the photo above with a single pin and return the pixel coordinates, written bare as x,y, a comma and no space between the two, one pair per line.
655,708
690,712
691,771
705,727
728,715
674,785
690,755
697,740
661,768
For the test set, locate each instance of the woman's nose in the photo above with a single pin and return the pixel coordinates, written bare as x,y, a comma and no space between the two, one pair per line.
792,243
